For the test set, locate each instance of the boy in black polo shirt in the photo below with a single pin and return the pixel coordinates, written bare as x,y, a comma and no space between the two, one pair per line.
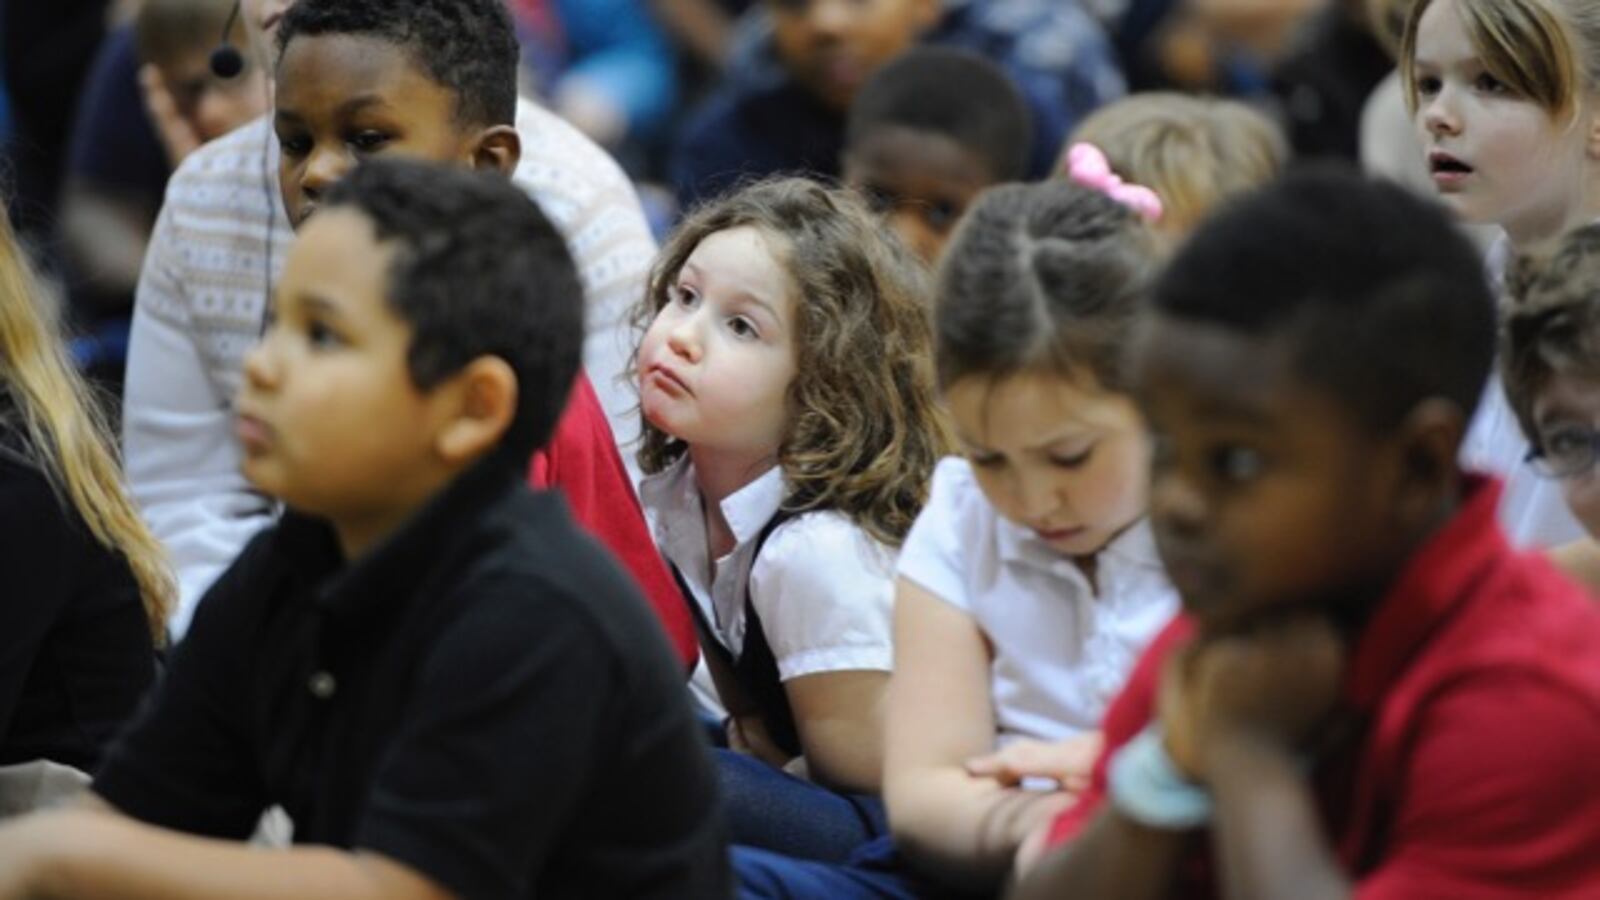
448,687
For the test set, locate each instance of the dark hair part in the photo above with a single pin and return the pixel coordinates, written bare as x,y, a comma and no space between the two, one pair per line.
1552,325
955,93
1383,302
165,30
1041,277
864,427
468,46
479,271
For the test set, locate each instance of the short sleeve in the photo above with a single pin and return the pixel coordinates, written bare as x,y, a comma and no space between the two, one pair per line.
1497,795
188,761
938,552
500,745
824,590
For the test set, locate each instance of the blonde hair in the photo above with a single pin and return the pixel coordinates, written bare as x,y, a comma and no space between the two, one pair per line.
1545,50
65,434
1192,151
865,427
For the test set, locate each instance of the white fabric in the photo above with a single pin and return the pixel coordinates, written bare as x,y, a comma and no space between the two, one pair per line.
1532,511
823,587
1061,650
202,296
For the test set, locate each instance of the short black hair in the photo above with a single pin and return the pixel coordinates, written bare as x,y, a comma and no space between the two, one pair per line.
1383,301
479,271
468,46
954,93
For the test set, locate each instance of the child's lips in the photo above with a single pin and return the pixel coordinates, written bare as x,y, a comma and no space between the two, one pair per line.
254,435
667,380
1056,535
1447,170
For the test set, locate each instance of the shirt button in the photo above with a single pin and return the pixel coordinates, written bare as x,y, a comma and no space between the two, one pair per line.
322,685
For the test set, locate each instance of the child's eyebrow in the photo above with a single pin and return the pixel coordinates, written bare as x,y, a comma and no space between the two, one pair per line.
316,303
360,102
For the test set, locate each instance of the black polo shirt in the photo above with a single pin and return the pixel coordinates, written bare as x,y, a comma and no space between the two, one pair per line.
484,697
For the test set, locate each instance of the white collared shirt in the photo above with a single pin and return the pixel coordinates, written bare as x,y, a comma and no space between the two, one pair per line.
1061,651
823,587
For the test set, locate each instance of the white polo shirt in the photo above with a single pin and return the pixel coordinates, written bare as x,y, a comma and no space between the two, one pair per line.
823,587
1062,651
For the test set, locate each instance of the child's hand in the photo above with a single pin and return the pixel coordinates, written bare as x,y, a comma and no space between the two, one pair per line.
1068,762
177,136
1276,684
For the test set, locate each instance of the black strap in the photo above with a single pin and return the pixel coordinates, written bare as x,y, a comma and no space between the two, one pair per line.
755,669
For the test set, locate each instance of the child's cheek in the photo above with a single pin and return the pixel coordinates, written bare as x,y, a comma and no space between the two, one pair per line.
1583,498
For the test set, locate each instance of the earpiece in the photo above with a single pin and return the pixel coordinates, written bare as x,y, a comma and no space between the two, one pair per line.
226,60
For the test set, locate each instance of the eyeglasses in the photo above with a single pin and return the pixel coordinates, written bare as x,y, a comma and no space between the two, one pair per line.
1566,452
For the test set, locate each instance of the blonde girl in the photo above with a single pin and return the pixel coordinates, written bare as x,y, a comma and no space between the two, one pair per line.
790,429
1504,97
87,587
1190,151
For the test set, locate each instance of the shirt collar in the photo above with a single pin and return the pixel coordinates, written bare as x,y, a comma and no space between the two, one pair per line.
673,492
1440,577
1135,546
399,564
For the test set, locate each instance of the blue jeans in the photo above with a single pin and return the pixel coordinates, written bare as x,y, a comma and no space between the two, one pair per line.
773,810
874,872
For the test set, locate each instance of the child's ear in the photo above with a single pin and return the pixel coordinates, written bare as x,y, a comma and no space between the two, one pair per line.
497,149
1429,442
481,406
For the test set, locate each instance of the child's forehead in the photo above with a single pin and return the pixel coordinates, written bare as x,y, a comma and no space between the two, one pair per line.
378,64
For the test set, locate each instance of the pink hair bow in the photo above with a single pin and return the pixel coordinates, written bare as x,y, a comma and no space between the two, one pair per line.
1088,166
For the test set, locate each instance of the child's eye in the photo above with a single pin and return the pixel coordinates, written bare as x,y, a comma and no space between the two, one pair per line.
1236,465
986,460
1072,460
742,327
368,141
1570,451
295,146
1490,85
1427,85
940,216
321,336
684,296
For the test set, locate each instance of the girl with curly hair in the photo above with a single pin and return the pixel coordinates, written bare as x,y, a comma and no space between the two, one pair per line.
790,427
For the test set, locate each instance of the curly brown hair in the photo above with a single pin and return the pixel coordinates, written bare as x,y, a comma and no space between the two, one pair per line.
865,427
1551,325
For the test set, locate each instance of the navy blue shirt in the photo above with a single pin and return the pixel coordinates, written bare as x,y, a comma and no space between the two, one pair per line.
760,122
484,697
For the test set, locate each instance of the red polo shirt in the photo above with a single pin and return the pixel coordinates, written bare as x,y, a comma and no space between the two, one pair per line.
582,462
1477,771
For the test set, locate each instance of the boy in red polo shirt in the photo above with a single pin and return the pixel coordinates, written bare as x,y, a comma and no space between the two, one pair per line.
1370,693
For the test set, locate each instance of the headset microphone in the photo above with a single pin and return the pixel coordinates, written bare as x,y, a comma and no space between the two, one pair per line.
226,60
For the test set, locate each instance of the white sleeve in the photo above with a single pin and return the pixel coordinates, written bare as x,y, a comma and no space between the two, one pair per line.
824,590
182,463
937,552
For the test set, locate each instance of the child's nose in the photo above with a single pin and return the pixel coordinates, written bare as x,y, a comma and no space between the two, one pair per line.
323,169
260,368
1439,114
829,18
1176,505
683,338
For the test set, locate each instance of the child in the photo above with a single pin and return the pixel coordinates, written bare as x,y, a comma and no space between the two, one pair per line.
189,103
927,134
353,81
1191,151
787,90
1550,363
1503,94
1370,694
1029,584
790,429
87,587
447,686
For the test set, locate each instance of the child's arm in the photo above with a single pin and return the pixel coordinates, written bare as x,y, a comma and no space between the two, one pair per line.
940,716
89,852
1113,857
839,716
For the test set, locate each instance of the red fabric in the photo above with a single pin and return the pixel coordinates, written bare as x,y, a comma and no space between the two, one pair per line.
582,462
1479,682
